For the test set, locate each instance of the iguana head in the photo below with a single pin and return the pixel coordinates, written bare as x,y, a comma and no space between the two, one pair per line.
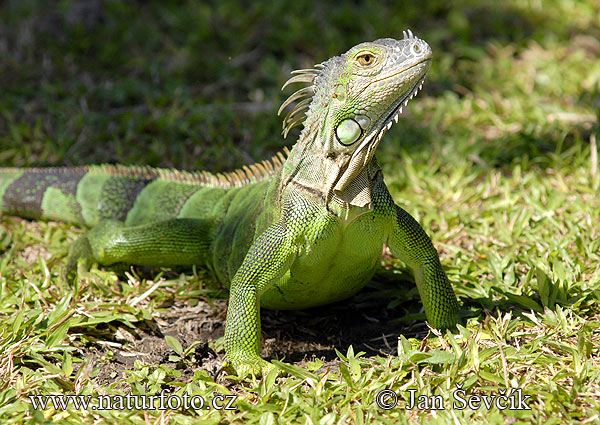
352,101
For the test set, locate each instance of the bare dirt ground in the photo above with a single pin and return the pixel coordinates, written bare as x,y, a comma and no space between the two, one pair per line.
368,321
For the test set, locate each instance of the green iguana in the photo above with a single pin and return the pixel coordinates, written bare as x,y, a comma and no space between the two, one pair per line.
303,229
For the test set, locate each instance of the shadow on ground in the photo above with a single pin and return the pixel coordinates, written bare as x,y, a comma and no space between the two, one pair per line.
368,321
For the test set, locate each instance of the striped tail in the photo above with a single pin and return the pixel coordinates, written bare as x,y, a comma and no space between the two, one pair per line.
42,193
85,195
82,195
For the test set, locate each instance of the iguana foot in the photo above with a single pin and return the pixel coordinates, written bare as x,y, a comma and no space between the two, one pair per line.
254,366
79,258
79,262
448,322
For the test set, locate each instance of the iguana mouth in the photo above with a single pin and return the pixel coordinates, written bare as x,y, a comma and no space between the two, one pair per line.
396,111
373,139
364,153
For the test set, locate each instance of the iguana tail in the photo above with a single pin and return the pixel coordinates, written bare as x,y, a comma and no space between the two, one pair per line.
135,195
79,195
168,217
87,195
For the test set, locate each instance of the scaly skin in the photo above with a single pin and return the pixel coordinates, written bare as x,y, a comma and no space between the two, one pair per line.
287,233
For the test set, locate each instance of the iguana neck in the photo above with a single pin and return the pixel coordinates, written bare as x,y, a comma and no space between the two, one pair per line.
344,181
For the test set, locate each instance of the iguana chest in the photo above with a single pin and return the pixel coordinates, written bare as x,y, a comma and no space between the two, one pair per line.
335,258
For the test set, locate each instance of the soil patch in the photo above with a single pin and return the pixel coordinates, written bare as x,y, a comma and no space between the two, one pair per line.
368,321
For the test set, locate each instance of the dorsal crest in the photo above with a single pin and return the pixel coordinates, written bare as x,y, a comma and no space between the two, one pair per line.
302,97
240,177
236,178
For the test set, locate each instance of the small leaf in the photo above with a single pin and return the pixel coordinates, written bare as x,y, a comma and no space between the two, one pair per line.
267,418
439,357
543,286
491,377
296,371
18,321
174,344
58,334
271,377
346,375
405,349
67,365
521,300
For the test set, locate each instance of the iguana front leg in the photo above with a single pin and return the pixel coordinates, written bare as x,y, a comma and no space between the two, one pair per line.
186,242
410,243
268,259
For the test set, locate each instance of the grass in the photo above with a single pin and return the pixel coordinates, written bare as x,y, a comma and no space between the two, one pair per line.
497,158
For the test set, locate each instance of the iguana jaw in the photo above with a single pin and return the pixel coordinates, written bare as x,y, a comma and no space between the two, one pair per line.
364,153
397,109
374,137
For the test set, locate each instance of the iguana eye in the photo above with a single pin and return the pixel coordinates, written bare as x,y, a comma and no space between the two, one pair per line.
365,59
